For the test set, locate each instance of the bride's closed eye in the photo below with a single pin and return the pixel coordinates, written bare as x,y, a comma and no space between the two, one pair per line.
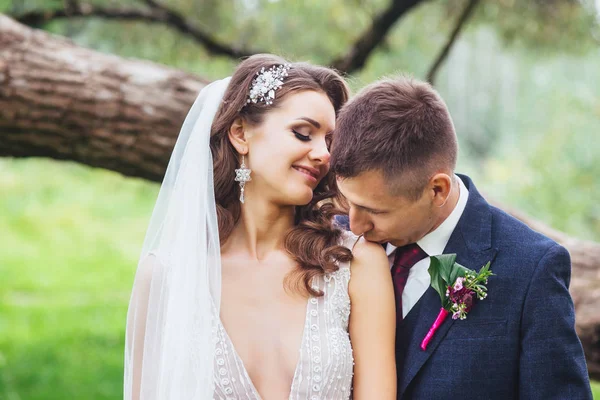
300,136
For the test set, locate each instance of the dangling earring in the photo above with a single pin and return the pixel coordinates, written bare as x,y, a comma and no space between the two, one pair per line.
242,175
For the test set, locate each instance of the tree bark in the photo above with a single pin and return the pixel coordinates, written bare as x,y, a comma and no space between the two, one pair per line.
61,101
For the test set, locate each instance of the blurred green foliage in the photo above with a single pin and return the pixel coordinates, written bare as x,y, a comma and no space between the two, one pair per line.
522,84
70,240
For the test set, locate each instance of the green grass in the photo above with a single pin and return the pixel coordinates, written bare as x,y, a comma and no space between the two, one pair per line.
596,390
69,239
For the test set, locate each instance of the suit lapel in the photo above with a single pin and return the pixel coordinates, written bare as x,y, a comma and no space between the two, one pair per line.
471,241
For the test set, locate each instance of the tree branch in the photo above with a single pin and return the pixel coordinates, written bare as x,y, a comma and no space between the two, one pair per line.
156,13
362,48
467,12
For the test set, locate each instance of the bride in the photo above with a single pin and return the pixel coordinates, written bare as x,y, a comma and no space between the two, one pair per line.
245,289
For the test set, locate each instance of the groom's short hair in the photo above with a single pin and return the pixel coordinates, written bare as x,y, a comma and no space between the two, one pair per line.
399,126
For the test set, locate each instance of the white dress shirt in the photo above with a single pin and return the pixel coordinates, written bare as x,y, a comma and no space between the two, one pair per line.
433,244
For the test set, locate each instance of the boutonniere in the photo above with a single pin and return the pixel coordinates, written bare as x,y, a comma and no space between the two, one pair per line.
458,288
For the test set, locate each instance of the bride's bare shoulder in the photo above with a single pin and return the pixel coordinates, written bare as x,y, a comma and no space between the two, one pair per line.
368,258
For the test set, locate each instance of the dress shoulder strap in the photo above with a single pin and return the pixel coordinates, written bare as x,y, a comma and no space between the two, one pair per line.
349,239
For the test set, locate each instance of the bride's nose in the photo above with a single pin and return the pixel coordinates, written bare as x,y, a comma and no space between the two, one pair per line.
320,152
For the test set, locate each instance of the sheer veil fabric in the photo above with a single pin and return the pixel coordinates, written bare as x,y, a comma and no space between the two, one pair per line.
174,306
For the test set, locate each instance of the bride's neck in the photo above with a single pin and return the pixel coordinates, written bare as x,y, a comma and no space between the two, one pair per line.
261,229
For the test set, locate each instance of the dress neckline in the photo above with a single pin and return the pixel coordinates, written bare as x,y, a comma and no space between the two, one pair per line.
245,371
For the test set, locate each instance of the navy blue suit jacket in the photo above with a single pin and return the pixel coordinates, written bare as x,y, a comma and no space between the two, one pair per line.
518,343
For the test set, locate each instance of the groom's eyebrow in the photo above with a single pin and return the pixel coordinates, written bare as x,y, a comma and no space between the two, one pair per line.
367,208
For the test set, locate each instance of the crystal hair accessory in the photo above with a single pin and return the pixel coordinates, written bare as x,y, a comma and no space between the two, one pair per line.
265,84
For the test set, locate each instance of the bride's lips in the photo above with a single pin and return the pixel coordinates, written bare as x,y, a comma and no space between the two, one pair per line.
310,173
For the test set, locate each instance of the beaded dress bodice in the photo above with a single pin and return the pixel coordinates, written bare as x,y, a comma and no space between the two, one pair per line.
325,364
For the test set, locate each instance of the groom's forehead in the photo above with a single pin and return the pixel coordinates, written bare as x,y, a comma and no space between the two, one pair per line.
364,191
372,180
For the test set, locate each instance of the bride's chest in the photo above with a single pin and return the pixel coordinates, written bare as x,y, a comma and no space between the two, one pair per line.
254,299
257,301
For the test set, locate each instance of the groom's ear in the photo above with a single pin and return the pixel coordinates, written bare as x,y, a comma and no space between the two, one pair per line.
441,185
237,136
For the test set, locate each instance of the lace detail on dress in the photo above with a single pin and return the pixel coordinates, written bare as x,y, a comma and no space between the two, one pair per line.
325,366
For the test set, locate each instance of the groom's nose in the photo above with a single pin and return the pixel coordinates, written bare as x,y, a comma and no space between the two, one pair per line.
359,222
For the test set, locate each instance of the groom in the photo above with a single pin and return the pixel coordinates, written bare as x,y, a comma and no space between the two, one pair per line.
394,155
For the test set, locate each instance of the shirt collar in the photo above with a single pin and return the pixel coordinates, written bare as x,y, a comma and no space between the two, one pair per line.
434,242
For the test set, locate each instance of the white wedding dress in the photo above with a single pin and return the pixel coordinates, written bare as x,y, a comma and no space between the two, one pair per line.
325,364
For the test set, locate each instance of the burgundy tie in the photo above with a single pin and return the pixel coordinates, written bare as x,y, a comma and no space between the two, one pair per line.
405,258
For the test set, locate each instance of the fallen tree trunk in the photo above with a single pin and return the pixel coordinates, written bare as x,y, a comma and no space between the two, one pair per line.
62,101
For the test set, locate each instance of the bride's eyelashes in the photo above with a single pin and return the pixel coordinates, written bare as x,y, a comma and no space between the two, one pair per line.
304,138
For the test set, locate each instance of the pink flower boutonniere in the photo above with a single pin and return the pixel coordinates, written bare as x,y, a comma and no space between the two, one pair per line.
458,288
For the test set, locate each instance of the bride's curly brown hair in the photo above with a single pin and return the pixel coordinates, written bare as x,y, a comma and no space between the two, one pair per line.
313,242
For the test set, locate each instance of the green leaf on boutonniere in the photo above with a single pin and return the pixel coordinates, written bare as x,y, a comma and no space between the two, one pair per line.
444,271
437,282
457,271
440,268
446,263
